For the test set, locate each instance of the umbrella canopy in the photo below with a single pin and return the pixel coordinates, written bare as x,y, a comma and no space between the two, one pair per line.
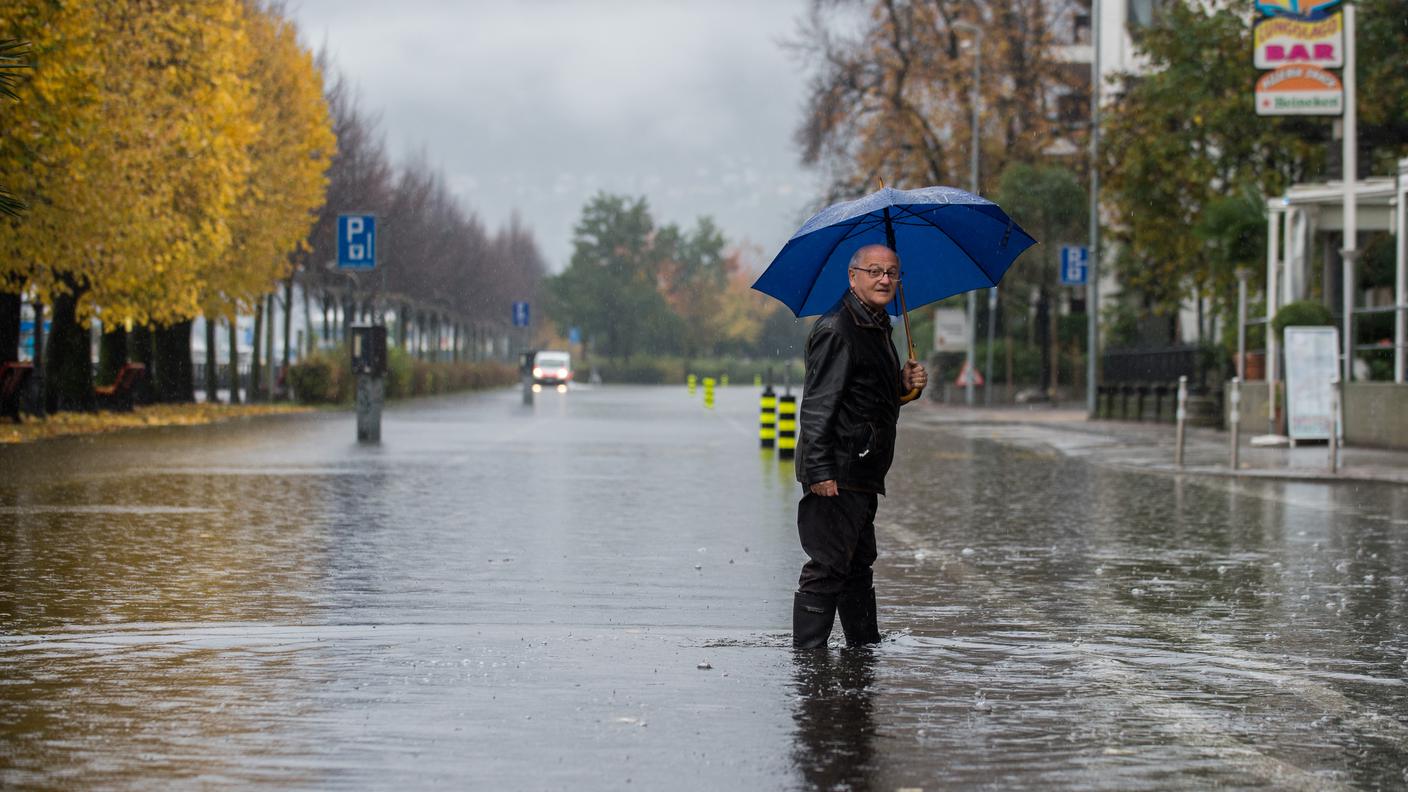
949,242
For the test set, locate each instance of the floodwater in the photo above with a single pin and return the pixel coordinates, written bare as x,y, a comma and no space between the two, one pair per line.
594,593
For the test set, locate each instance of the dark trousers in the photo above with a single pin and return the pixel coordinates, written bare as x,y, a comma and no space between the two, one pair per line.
838,536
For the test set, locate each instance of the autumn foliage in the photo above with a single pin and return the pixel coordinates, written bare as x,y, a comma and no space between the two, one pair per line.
172,156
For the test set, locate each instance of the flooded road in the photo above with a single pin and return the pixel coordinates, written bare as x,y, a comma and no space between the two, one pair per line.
595,592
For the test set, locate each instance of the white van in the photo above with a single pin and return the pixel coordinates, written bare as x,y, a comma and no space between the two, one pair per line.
552,367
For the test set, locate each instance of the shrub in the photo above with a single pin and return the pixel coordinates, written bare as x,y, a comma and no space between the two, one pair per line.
321,378
1300,312
325,377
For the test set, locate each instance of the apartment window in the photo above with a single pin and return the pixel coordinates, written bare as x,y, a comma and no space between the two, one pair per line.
1143,13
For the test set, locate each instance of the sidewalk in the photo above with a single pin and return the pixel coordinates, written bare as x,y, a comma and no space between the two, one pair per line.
1150,446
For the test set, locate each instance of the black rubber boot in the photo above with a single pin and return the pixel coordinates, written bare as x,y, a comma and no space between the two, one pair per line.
858,619
812,617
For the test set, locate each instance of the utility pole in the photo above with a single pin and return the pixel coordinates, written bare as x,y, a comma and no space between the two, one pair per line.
975,150
1092,286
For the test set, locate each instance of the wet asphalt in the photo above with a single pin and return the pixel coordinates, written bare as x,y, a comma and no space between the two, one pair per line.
594,593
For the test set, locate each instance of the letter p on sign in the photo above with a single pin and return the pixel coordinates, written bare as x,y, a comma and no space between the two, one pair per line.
356,241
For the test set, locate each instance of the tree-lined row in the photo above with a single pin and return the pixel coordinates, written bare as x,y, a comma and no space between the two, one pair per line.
633,287
172,156
441,266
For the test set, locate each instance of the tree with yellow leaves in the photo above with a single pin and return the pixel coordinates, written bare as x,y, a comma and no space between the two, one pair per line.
131,156
287,179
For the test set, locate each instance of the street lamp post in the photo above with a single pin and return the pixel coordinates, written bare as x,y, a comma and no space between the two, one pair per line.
1092,272
975,149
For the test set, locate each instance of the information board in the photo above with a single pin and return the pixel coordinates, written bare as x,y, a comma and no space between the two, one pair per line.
1312,365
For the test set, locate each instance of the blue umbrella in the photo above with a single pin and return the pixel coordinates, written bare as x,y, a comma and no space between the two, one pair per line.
949,242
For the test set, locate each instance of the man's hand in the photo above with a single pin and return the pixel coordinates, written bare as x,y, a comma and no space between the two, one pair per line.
914,376
826,489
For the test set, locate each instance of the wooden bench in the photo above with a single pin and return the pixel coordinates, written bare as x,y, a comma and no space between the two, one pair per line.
13,377
118,395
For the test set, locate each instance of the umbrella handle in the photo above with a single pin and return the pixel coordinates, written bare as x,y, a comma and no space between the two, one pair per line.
909,340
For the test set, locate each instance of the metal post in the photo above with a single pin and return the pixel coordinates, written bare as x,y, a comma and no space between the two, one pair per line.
1242,275
974,150
1400,280
1335,430
1351,180
1234,420
1182,417
1092,286
992,323
1273,297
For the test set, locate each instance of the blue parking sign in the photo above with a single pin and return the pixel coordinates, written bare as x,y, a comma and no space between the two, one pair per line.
356,241
1075,261
520,314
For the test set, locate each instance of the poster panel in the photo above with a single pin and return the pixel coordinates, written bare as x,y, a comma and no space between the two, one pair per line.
1312,365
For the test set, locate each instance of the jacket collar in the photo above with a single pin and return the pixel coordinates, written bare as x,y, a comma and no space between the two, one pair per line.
863,315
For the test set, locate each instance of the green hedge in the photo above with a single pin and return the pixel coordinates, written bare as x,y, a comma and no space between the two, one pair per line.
325,377
668,370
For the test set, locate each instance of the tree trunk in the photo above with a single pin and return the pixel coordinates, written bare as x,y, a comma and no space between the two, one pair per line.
1043,337
1053,331
288,323
235,358
112,353
69,384
307,349
175,372
327,324
212,363
9,327
269,373
141,349
256,381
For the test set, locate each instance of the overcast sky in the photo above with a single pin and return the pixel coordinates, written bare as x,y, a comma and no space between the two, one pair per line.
535,105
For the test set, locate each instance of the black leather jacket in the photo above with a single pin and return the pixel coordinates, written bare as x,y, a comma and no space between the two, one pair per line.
850,400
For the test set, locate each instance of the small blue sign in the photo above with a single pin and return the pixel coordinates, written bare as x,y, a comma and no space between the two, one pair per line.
574,335
1075,263
356,242
520,314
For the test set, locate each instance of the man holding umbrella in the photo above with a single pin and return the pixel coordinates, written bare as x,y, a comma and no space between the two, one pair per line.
850,405
855,384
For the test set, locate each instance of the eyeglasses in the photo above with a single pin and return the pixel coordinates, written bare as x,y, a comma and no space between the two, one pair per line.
876,273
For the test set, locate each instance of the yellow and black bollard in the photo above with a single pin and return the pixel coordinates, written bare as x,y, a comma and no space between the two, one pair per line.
709,392
690,380
786,426
767,419
757,380
723,380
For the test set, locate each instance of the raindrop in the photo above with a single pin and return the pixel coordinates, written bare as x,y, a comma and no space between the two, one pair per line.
981,703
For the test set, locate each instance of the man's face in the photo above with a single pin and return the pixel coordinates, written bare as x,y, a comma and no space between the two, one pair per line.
875,292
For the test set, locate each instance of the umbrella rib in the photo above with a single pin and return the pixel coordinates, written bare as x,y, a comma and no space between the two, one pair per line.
955,242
